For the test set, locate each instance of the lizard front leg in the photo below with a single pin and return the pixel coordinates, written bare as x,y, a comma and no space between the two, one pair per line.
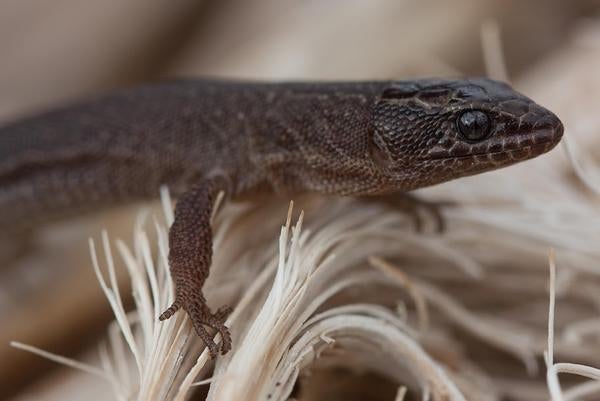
412,205
190,257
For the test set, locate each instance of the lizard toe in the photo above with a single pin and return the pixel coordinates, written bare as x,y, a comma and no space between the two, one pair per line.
170,311
202,318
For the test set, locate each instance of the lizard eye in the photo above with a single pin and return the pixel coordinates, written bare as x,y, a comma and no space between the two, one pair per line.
474,125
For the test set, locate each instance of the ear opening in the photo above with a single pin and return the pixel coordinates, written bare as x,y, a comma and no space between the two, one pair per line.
379,150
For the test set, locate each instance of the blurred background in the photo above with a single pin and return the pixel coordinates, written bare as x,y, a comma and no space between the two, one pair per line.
53,52
60,50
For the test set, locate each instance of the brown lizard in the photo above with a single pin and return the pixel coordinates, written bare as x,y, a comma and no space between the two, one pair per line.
200,137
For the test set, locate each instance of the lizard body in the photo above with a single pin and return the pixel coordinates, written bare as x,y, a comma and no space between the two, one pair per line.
203,136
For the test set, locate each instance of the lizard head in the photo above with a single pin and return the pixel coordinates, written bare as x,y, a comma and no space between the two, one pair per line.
430,131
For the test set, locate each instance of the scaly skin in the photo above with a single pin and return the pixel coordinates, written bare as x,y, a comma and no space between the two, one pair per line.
200,137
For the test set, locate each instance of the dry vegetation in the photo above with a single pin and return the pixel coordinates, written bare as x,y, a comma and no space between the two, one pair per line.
345,301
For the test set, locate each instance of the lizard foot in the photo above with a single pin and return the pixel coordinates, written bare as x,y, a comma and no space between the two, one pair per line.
434,208
201,318
415,206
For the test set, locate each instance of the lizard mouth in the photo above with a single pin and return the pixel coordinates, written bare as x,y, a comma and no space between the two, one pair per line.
523,152
535,143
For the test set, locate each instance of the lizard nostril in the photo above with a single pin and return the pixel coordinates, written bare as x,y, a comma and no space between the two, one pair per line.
548,129
495,147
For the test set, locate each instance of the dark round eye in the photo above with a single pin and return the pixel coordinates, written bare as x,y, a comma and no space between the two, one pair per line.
474,125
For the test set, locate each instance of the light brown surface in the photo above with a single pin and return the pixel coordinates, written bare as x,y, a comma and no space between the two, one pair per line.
52,52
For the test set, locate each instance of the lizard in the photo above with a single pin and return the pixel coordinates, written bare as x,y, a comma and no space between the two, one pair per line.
203,136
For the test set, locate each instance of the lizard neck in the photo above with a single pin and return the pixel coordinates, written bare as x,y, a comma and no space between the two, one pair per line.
318,142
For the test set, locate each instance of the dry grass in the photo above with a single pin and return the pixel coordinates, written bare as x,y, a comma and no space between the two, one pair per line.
323,301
